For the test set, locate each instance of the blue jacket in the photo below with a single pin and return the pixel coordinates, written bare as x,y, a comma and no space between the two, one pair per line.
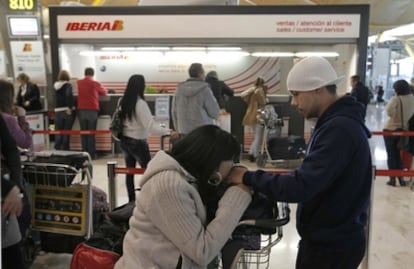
332,186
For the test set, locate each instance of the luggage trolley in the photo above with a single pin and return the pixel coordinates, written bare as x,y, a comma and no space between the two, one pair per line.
61,192
274,148
260,258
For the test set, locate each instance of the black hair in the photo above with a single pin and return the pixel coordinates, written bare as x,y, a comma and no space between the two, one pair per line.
202,150
6,96
401,87
89,71
356,78
135,88
331,89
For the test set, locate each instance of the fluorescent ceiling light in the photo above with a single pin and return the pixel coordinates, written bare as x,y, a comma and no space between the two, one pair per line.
316,53
152,48
224,48
145,54
188,48
273,54
98,53
118,48
403,30
228,53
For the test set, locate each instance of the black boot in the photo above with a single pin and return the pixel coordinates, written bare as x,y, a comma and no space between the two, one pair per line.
402,182
391,182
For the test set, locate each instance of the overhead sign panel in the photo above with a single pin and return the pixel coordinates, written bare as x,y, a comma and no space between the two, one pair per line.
222,26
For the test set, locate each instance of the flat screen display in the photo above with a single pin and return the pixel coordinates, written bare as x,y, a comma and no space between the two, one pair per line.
20,26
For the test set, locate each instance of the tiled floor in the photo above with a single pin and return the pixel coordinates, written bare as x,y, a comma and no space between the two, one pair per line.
391,231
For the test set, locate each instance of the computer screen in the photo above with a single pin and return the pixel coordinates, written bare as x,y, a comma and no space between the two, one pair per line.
21,26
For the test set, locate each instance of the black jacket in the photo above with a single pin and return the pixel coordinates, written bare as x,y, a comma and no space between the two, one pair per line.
32,95
361,93
220,89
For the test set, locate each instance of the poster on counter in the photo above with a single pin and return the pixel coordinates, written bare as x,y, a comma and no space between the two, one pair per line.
37,122
28,57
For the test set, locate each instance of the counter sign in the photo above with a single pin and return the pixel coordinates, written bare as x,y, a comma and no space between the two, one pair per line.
22,5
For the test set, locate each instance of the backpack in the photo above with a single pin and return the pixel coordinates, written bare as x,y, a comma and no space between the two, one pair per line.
411,123
116,126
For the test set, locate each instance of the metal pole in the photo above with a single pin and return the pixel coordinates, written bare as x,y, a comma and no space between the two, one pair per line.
111,184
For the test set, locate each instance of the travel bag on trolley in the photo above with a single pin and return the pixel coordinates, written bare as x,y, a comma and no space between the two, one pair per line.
255,238
61,190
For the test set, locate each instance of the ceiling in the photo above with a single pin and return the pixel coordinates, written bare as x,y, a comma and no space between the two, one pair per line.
384,14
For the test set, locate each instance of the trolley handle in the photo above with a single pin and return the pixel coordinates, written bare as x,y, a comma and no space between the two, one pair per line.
269,223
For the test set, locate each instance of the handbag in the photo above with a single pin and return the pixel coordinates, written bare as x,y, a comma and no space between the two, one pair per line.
404,142
116,126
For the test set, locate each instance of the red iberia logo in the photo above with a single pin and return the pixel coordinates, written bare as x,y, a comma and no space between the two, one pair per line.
116,25
27,47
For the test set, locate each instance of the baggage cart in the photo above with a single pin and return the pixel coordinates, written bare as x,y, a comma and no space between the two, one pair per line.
274,148
61,192
260,258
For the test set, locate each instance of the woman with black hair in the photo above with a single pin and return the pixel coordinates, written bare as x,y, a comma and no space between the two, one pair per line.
399,109
138,124
169,227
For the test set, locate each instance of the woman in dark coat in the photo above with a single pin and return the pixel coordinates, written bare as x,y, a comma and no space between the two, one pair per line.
28,96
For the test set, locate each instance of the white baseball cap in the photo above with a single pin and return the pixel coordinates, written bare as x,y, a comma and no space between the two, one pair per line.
310,74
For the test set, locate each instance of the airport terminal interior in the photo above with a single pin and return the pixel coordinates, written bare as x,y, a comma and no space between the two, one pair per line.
387,57
391,235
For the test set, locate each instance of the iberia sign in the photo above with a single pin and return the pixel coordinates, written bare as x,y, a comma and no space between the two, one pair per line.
116,25
187,26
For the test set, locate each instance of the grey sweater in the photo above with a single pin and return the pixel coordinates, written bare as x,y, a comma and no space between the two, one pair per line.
169,220
193,105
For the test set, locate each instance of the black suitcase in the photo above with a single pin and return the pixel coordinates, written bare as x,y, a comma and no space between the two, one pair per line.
286,148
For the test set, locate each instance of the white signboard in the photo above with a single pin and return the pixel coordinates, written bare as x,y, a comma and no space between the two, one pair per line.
209,26
28,57
2,64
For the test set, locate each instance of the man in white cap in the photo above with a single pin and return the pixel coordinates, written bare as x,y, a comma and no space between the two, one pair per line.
332,185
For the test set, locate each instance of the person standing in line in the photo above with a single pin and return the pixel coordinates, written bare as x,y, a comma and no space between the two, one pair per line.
138,124
169,227
11,201
220,89
193,104
332,186
14,116
399,109
28,95
255,97
360,91
64,109
88,108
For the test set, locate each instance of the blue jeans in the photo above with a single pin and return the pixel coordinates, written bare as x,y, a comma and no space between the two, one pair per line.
135,150
88,120
393,153
63,121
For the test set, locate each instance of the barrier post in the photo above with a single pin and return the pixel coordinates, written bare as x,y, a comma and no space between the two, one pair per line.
365,260
111,184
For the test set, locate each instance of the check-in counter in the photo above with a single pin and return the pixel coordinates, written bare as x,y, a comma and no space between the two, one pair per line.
293,121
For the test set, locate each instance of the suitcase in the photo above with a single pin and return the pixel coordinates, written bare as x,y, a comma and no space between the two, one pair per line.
286,148
104,248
